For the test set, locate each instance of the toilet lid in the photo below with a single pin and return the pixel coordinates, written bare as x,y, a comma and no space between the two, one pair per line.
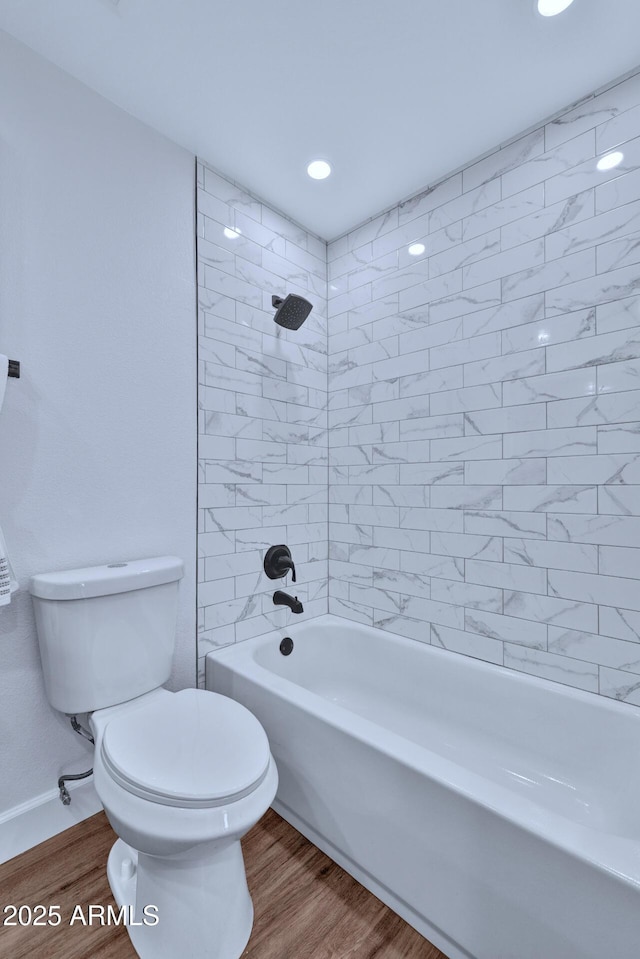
191,749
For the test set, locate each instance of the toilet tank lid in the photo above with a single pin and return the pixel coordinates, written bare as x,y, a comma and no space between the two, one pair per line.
117,577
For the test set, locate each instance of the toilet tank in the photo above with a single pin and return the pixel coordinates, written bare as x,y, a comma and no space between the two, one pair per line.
106,633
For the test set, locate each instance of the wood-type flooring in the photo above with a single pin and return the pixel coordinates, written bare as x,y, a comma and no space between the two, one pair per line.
306,906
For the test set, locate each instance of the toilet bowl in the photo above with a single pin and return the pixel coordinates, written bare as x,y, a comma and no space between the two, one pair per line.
182,776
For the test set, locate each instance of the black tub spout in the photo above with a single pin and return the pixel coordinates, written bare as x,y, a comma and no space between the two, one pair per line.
283,599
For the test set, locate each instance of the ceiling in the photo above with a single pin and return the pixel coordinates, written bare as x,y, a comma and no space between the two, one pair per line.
395,93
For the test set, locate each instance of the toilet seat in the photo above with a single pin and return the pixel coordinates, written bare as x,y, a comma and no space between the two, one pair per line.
193,749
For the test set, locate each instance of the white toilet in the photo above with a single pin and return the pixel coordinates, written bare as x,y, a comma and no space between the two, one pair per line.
182,776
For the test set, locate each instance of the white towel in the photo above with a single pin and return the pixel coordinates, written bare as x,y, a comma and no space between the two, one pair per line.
8,584
4,371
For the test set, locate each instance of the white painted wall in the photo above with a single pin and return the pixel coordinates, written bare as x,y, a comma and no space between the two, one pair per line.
98,437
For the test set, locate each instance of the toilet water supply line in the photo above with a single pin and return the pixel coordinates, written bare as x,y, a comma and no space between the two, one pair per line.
65,798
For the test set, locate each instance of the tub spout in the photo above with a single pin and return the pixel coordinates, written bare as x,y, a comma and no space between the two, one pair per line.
283,599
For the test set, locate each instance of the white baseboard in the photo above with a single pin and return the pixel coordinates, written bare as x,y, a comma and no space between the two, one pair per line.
44,816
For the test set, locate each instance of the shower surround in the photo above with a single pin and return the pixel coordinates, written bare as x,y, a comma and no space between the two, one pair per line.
262,407
485,407
484,410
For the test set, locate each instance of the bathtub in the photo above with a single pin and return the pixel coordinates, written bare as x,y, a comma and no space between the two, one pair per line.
498,813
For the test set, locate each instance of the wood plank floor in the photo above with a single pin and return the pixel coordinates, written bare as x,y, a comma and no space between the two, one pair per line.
306,907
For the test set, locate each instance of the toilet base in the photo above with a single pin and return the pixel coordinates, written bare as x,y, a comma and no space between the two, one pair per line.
202,902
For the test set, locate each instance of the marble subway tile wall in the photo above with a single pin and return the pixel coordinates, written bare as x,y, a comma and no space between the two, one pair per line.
262,398
484,407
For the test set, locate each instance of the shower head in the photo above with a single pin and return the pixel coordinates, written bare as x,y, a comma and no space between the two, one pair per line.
292,311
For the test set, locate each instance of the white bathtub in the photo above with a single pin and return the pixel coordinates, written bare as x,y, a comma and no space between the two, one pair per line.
498,813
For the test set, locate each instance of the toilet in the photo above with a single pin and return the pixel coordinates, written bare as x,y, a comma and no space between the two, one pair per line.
182,776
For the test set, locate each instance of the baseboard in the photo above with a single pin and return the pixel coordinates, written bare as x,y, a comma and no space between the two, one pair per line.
44,816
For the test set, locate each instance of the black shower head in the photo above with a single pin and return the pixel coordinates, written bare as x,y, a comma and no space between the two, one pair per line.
292,311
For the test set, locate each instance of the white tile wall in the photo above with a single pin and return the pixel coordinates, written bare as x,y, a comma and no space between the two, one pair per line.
483,425
484,407
262,399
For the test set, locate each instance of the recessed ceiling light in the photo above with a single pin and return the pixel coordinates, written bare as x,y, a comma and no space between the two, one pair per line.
610,161
319,169
416,249
549,8
231,234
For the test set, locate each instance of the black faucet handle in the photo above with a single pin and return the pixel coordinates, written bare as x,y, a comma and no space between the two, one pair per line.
293,573
278,562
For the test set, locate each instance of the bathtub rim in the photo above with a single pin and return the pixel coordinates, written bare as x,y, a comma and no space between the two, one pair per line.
586,844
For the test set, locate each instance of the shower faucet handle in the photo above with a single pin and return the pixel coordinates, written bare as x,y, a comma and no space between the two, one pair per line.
278,562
